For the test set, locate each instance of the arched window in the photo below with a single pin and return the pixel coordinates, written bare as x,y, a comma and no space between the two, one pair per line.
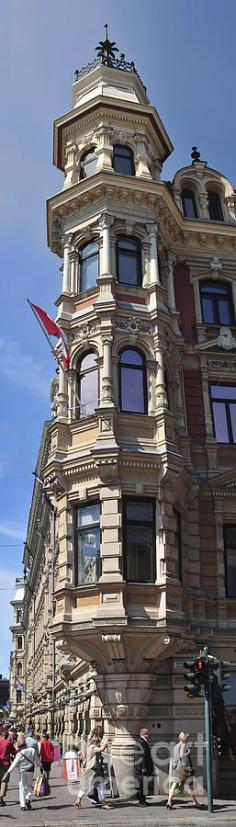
189,204
123,160
128,261
88,385
19,643
88,163
132,381
216,300
19,670
214,205
89,265
18,616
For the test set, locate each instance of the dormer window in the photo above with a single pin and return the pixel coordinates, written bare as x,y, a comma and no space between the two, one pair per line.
216,300
88,163
189,204
214,205
123,160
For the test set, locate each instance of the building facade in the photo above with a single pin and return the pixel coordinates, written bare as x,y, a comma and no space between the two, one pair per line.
133,566
17,657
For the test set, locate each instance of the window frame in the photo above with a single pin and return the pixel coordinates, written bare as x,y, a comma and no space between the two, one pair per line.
226,547
131,158
78,382
82,530
126,522
227,402
133,367
19,648
19,669
214,299
81,261
130,254
83,177
217,199
18,696
190,195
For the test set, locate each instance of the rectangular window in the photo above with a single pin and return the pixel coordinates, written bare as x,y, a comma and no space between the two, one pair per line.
139,541
87,544
18,696
223,398
230,560
178,544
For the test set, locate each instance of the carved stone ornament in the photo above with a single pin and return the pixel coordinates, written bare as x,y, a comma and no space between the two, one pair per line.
226,339
132,325
215,264
222,365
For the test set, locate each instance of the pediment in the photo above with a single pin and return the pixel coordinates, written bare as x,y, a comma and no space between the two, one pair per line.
221,485
224,341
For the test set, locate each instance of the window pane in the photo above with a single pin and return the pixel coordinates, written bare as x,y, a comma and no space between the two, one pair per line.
88,555
215,210
223,391
232,408
88,515
208,310
231,572
122,150
88,163
132,393
128,269
127,244
131,357
123,165
89,250
189,204
220,421
224,310
230,535
88,361
140,553
208,287
89,272
88,393
139,511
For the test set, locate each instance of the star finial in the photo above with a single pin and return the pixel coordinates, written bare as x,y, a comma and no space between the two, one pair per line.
106,49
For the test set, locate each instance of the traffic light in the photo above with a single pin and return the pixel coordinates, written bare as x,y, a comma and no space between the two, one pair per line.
221,668
193,685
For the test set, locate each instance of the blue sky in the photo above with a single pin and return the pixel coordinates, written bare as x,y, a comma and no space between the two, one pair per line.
184,52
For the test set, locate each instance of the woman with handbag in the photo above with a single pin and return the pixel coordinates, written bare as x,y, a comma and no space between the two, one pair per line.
25,760
181,770
91,782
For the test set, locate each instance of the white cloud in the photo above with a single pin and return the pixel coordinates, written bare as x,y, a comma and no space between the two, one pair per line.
14,530
23,369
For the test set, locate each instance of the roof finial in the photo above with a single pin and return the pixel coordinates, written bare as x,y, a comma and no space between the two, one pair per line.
106,49
195,155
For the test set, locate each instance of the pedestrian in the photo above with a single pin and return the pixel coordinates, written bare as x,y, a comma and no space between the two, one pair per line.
25,760
91,783
143,765
7,752
46,754
181,770
31,740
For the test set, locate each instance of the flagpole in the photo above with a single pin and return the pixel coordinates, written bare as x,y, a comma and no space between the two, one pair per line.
55,354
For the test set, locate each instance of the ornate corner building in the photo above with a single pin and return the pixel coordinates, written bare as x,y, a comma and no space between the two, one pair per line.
17,657
133,567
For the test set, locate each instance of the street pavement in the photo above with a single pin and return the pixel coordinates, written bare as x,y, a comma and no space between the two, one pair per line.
58,810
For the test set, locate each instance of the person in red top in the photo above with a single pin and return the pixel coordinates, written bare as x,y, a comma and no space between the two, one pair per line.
46,754
7,751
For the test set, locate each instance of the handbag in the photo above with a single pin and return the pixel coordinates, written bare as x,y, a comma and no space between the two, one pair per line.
37,785
44,787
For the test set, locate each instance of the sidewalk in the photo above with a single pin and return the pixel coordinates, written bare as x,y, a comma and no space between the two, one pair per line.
58,810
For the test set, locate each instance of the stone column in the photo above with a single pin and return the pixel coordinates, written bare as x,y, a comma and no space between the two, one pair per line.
154,268
71,171
105,225
178,198
161,398
204,205
104,150
107,394
62,396
141,157
66,266
170,281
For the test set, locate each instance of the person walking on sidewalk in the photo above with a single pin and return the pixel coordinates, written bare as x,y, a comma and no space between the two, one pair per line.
7,752
143,764
46,754
181,770
91,780
25,759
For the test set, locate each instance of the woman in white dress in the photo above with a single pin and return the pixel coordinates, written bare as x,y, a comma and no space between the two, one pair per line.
91,773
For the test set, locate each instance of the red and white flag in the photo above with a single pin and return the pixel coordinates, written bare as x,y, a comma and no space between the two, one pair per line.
52,329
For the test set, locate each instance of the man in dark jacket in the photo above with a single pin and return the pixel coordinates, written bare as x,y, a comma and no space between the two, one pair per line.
143,765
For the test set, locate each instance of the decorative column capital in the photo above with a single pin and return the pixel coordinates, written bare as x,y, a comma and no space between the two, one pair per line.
153,230
106,221
172,259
